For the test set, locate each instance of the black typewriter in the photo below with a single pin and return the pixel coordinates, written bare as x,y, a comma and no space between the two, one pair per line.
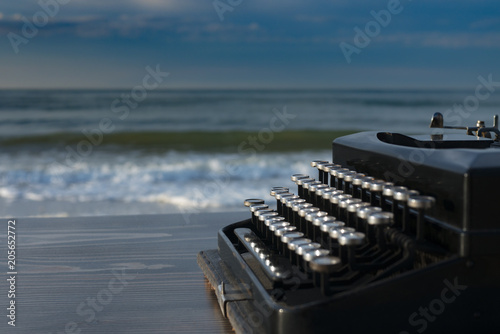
398,234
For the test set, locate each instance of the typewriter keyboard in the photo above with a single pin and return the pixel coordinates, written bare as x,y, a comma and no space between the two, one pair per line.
342,230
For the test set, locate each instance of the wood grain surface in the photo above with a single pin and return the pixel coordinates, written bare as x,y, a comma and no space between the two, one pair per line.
130,274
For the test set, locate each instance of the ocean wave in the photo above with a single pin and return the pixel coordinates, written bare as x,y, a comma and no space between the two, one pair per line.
185,180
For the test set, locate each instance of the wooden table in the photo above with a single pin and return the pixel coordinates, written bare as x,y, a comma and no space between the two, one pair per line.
130,274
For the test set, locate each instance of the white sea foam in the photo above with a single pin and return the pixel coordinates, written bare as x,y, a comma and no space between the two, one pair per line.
184,180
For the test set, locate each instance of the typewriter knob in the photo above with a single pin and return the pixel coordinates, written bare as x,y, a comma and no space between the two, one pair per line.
251,201
296,177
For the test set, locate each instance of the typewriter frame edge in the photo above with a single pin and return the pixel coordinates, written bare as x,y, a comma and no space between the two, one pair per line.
227,265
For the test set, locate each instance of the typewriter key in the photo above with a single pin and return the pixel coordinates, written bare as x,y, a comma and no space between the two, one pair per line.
302,217
335,172
352,216
357,182
251,201
254,208
268,222
325,265
380,220
365,188
321,174
292,246
334,202
303,248
315,162
316,223
286,238
325,228
289,208
300,186
309,255
261,227
274,190
295,177
273,227
334,233
296,208
387,194
348,242
309,218
341,174
348,178
362,216
282,204
421,204
376,188
279,232
342,207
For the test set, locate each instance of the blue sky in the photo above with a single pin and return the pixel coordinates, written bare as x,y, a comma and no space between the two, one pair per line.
258,44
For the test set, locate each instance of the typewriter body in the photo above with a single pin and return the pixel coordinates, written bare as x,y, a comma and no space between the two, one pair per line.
397,234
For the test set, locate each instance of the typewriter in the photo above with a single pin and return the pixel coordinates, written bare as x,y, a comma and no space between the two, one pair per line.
397,234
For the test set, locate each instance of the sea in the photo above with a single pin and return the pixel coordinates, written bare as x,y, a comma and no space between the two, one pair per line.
41,175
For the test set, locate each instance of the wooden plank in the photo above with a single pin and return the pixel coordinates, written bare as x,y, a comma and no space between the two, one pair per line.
130,274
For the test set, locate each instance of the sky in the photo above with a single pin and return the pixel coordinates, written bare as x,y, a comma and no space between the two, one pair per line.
249,43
